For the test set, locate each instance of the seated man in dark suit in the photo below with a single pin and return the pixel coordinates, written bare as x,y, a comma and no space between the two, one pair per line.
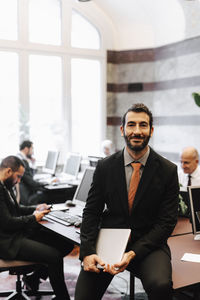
22,238
138,189
31,191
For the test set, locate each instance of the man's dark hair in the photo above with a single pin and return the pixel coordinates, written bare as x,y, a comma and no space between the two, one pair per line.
12,162
139,107
25,144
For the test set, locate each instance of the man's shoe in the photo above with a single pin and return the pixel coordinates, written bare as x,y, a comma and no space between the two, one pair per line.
31,282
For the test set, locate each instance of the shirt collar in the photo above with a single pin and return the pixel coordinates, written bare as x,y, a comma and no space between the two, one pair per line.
129,159
22,155
194,174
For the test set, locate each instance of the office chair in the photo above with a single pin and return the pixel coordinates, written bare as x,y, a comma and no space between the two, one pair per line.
19,268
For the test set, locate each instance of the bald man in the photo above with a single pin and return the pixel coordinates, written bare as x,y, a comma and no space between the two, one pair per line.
107,146
190,173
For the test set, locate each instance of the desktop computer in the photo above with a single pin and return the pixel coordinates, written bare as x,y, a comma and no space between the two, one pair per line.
82,190
93,160
73,216
49,168
194,197
72,166
69,174
51,162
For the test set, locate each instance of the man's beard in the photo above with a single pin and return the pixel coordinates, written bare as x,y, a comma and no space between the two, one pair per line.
9,183
137,148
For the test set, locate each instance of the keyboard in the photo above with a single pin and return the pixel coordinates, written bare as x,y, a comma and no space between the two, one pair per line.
57,186
41,176
48,180
66,217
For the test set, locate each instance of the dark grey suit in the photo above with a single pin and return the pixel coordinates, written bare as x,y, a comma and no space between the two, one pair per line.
31,191
21,237
152,220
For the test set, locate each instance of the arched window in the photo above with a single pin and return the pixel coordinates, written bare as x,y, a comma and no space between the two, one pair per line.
45,88
9,99
52,61
86,106
45,21
84,34
85,88
8,19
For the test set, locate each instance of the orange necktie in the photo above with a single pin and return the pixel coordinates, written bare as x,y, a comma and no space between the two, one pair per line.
135,178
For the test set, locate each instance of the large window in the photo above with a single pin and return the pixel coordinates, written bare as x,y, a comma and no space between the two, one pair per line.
8,19
51,59
86,106
9,120
45,103
84,34
45,21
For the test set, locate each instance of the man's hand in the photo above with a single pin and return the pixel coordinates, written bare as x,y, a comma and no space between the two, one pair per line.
43,206
120,267
40,214
90,263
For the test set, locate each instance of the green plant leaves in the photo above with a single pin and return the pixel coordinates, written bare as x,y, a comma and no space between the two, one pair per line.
196,97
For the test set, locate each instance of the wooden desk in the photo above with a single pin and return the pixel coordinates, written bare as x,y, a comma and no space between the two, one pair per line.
68,232
184,273
183,226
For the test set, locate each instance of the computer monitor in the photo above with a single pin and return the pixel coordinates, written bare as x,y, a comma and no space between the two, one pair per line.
51,162
82,190
93,160
72,165
194,197
184,210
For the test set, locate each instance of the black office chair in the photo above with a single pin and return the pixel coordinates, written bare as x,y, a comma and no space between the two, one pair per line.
19,268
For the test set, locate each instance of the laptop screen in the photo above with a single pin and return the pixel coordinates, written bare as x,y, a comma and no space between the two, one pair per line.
84,186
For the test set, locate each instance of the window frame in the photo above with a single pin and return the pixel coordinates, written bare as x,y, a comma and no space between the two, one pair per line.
23,47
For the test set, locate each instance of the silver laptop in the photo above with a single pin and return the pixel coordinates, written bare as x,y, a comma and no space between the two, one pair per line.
109,239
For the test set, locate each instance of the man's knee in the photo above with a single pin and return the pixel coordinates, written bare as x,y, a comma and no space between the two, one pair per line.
159,288
53,256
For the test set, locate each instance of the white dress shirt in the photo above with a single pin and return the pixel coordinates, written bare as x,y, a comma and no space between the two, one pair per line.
195,177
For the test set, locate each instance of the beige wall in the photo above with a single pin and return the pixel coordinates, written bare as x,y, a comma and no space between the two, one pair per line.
164,79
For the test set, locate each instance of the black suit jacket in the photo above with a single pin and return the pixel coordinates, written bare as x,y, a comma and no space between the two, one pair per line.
15,221
28,186
155,207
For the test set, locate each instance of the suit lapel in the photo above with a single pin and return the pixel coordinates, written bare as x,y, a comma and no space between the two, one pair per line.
147,175
12,203
119,181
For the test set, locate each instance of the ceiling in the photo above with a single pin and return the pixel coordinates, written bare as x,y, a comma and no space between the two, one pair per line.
148,23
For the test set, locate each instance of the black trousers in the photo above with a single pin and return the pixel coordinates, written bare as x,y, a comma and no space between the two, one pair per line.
154,271
48,248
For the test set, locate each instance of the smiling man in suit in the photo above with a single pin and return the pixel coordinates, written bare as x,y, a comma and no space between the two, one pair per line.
151,215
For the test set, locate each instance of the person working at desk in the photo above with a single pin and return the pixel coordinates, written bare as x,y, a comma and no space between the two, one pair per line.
190,173
114,201
22,238
30,190
107,148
